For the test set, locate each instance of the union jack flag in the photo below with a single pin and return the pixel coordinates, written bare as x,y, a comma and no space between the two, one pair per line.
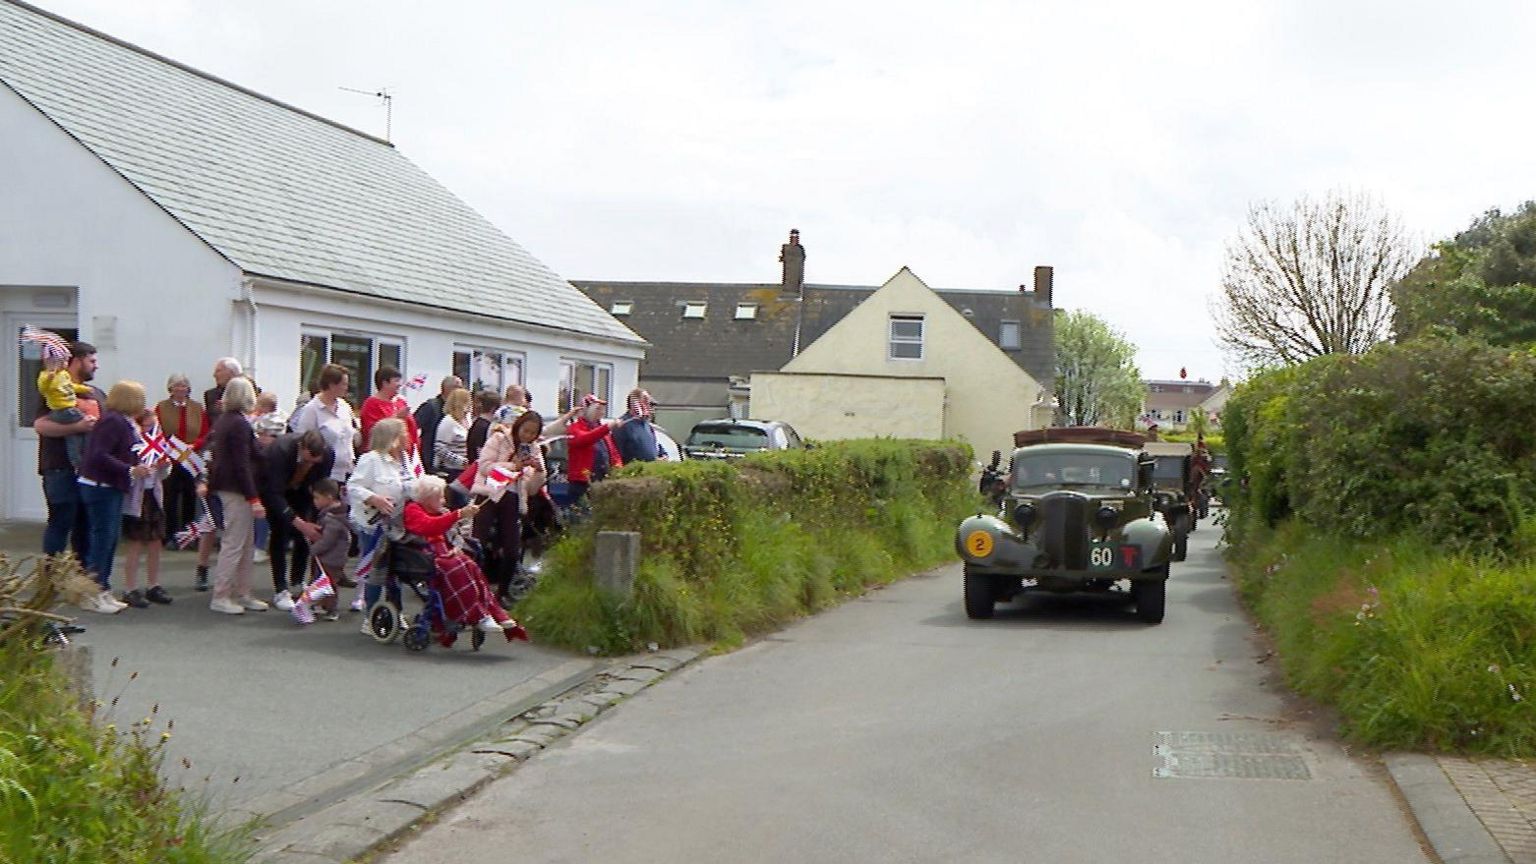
153,446
54,346
371,543
417,381
188,537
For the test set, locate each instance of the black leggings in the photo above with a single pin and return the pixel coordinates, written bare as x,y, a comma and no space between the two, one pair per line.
285,546
499,529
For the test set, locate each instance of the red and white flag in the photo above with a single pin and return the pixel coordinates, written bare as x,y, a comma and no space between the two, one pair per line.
500,476
418,381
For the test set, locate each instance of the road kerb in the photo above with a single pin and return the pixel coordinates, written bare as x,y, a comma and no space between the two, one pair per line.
1455,832
368,819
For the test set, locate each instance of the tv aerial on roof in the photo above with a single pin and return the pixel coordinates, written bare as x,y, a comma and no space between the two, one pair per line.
387,100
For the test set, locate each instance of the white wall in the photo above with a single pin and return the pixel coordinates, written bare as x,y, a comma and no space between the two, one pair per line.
831,407
150,295
430,337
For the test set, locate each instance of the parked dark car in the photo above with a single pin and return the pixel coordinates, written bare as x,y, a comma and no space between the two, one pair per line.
1079,514
732,439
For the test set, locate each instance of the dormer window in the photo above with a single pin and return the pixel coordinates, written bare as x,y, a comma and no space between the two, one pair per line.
694,310
746,311
1008,336
621,308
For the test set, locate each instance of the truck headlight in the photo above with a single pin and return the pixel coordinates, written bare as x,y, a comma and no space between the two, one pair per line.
1023,515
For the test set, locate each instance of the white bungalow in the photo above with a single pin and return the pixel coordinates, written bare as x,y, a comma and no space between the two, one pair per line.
170,218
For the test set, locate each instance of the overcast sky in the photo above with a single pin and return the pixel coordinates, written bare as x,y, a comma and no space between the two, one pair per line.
1120,142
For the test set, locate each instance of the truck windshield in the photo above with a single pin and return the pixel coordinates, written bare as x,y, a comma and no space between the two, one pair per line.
1073,469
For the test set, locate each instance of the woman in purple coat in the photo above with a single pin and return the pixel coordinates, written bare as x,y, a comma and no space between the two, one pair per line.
107,471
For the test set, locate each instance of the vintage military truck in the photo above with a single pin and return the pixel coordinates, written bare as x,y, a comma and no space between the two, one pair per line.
1079,514
1172,480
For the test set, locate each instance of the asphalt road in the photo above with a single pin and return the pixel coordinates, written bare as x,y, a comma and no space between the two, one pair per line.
260,704
894,729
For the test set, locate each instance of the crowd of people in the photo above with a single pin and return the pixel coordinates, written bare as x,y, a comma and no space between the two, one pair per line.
321,497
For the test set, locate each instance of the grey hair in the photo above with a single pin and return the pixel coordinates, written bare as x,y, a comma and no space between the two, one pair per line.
231,365
176,378
426,486
385,433
239,395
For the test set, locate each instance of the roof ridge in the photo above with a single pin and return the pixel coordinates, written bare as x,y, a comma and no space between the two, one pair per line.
105,37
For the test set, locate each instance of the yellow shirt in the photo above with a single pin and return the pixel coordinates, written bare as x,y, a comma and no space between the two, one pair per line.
58,389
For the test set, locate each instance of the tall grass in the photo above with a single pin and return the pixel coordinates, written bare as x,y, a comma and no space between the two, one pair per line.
1416,647
73,790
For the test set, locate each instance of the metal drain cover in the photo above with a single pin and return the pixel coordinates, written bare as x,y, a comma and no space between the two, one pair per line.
1240,755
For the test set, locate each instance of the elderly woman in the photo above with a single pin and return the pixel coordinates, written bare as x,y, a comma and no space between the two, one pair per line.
381,482
466,598
232,477
183,418
109,468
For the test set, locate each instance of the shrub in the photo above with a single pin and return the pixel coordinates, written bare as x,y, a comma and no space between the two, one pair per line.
730,549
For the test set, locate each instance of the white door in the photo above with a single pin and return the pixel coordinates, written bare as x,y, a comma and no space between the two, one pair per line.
23,499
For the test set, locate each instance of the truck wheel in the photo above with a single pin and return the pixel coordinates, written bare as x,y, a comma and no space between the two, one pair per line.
980,594
1150,596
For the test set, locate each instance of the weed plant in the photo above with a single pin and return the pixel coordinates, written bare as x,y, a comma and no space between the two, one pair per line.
73,790
1416,647
731,549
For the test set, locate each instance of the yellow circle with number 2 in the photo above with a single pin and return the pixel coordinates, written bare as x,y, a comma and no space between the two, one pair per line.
979,544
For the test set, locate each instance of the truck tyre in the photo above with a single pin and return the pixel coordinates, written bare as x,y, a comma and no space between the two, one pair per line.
980,594
1150,596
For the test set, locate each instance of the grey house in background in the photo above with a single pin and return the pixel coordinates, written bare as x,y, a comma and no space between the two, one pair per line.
707,338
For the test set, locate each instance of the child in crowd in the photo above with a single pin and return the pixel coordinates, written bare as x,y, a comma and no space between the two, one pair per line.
144,525
268,422
330,551
58,388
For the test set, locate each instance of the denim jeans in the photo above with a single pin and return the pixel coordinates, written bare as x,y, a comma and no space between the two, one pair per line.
104,511
67,525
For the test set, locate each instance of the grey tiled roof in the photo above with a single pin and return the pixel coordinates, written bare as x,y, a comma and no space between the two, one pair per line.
277,191
718,346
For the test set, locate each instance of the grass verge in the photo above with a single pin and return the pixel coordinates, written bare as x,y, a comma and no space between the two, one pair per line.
1416,648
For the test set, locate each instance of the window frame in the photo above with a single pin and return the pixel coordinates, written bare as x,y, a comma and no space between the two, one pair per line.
360,381
746,312
621,308
1018,334
508,358
568,393
892,340
691,306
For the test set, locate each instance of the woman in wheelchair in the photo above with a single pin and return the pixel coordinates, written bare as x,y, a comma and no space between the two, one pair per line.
466,597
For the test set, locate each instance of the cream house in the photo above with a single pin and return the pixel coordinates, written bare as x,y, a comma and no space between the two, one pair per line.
904,363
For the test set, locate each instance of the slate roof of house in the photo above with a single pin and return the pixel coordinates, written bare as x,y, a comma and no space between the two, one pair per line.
279,192
719,345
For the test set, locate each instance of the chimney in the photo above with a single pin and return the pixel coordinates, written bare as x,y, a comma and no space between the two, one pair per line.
793,256
1043,277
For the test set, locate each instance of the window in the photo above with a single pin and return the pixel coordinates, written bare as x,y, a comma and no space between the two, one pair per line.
1008,337
906,337
694,310
29,362
487,368
621,308
359,353
746,311
1178,416
580,377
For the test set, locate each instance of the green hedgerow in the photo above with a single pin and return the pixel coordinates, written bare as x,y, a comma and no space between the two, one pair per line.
731,549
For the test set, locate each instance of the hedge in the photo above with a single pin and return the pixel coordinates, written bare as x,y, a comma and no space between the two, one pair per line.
731,549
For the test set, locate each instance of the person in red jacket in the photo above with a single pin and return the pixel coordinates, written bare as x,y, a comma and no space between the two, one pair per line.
588,432
466,596
386,401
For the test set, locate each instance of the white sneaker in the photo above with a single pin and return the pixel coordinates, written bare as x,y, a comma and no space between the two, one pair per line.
98,604
260,557
228,607
367,629
283,601
110,600
489,625
357,604
251,604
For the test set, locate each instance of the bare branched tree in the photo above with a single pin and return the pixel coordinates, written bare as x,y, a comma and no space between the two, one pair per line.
1311,279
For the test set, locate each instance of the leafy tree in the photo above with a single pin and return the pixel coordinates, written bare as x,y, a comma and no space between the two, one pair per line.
1097,382
1310,279
1480,283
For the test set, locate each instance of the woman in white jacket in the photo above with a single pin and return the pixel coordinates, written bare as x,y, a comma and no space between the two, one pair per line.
380,484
